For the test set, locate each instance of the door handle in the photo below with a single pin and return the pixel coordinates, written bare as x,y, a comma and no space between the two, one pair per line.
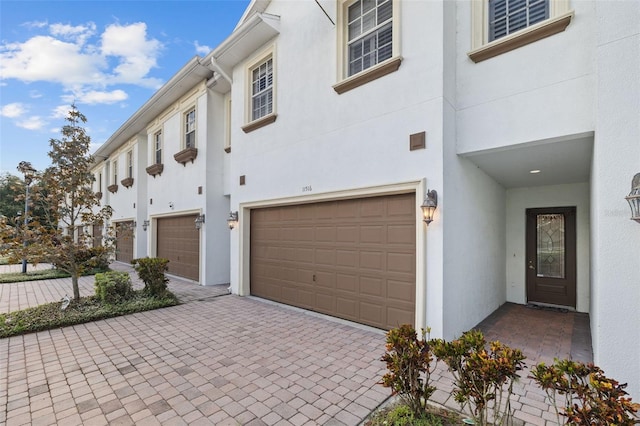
531,265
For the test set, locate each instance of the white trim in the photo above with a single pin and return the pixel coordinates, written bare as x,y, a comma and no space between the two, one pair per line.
256,60
417,187
480,21
342,38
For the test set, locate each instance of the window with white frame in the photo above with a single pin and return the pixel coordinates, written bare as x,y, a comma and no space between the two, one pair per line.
115,172
370,34
262,89
509,16
130,164
190,129
499,26
157,140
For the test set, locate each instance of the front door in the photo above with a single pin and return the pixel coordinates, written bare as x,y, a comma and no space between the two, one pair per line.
551,256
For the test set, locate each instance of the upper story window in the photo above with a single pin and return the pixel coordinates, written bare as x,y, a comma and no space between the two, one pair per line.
262,90
260,107
130,164
368,41
115,172
190,129
499,26
509,16
370,34
157,139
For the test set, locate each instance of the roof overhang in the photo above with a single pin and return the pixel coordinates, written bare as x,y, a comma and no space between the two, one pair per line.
244,41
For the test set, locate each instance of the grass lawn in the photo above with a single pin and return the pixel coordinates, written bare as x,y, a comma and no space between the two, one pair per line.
50,315
46,274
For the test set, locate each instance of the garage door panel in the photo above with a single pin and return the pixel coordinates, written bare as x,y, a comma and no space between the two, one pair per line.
372,234
372,261
401,262
361,253
372,286
348,283
347,234
403,291
397,317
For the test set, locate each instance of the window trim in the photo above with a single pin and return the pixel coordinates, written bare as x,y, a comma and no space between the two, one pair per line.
345,82
481,49
130,163
154,159
261,58
185,123
115,171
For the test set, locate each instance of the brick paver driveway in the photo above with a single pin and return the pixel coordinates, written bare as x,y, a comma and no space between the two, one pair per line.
221,360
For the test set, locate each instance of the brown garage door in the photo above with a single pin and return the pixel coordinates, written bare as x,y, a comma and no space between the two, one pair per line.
353,259
97,235
124,241
179,241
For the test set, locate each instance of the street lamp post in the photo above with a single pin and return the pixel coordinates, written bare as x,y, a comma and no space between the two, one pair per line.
28,171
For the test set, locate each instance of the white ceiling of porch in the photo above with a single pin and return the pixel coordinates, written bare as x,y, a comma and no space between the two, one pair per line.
560,161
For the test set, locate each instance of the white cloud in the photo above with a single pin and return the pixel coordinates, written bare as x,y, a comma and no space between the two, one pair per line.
61,111
99,97
31,123
44,58
137,54
78,33
201,49
34,94
66,57
13,110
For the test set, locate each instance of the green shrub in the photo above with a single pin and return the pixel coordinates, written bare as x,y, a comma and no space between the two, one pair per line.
113,287
590,398
408,362
481,374
151,271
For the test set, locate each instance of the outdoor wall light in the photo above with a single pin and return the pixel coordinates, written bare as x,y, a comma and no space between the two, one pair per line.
145,225
429,206
199,221
232,220
634,198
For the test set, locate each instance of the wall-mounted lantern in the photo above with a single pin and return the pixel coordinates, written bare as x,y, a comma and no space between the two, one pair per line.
429,206
199,221
232,220
145,225
634,198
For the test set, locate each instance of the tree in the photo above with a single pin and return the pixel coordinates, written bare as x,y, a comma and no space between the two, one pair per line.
12,194
67,201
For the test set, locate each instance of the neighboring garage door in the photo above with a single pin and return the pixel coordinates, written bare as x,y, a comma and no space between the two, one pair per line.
179,241
124,241
97,235
353,259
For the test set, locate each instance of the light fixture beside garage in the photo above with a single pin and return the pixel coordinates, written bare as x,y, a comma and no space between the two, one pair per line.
634,198
145,225
232,220
199,221
429,206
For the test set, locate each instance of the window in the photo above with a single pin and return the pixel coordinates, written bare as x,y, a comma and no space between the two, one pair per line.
115,172
130,164
509,16
499,26
370,34
190,129
368,41
262,90
158,147
260,109
227,123
99,182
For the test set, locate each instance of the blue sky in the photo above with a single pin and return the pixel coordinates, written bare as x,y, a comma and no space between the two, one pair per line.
108,57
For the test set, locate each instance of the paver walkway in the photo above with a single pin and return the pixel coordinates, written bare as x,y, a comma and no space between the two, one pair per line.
226,360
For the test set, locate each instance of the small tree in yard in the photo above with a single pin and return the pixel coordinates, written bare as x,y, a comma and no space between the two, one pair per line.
69,204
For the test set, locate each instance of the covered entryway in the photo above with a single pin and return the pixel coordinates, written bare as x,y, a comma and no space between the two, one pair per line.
551,256
124,241
353,259
179,241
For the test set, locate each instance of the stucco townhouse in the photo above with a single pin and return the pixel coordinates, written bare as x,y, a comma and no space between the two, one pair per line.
331,128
